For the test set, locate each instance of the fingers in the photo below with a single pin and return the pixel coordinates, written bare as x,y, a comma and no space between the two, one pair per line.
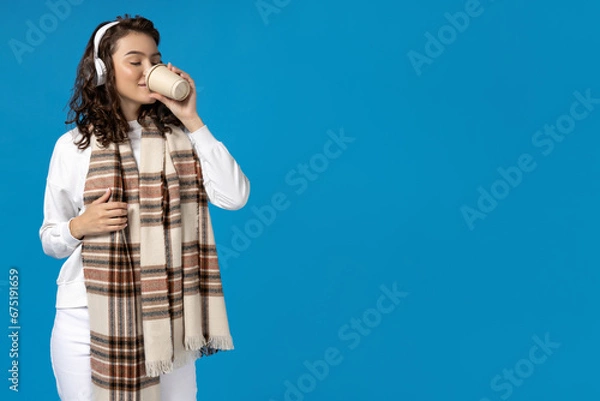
114,216
111,216
161,98
116,222
110,228
116,205
112,223
111,209
103,198
101,217
182,74
116,212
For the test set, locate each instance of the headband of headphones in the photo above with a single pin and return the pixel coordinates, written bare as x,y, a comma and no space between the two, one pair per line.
100,66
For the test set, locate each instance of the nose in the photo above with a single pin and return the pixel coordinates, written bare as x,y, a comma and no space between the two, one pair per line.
147,65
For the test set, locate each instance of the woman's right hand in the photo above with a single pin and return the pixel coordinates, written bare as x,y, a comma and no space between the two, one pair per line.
100,217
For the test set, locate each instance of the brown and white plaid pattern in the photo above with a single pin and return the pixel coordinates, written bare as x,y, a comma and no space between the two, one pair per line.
154,289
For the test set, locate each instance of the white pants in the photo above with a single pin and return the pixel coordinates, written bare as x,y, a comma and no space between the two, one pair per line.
70,354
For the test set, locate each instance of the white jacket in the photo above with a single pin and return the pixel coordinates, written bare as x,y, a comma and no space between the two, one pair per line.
226,186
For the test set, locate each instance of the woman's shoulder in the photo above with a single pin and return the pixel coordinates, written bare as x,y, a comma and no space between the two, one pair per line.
67,144
69,138
68,163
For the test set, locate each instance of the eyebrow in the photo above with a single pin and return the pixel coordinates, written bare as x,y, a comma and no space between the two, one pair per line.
141,53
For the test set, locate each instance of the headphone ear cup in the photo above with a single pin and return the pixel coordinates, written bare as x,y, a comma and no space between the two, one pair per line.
100,72
100,67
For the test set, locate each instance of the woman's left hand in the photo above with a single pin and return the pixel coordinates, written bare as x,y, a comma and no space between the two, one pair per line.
184,110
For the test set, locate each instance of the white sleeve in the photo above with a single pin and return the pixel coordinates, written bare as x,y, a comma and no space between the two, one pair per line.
59,209
226,185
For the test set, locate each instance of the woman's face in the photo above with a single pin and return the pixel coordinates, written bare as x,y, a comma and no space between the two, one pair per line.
134,54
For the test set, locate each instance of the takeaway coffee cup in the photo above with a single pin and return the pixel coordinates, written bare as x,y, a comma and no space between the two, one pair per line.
164,81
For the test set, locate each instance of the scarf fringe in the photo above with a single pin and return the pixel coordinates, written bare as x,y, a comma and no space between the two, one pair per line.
154,369
220,342
196,347
157,368
224,343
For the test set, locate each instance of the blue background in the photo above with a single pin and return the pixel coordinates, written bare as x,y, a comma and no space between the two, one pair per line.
386,212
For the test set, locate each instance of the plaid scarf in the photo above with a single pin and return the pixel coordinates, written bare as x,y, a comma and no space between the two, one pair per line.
154,289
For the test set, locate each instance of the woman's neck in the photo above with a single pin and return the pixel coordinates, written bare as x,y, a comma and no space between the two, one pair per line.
130,110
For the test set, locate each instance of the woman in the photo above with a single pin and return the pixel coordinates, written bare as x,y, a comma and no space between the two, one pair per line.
139,296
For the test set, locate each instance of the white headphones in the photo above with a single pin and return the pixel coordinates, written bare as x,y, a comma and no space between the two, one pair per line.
100,66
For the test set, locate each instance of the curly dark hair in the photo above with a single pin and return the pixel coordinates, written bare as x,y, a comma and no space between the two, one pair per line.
96,110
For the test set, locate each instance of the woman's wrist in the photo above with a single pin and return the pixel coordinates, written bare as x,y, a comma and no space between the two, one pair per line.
193,123
74,229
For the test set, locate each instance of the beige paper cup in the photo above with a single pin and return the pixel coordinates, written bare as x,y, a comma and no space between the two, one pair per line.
164,81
